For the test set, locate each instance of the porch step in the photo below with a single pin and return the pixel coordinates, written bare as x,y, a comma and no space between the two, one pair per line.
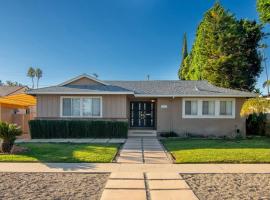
142,133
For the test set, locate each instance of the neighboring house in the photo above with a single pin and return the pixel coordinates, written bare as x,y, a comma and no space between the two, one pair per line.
194,107
12,90
16,107
6,112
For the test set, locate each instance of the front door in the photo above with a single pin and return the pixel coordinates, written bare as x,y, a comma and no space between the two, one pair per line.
142,114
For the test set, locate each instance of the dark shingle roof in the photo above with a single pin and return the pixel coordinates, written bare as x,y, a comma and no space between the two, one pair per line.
7,90
148,88
177,88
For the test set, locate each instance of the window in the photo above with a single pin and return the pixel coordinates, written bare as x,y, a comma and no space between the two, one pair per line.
208,108
225,108
191,107
81,107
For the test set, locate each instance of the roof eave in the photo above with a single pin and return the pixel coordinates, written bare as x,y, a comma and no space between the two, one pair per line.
82,76
196,95
71,93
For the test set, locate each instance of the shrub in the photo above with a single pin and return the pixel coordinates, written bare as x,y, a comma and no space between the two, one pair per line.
8,133
255,124
169,134
77,129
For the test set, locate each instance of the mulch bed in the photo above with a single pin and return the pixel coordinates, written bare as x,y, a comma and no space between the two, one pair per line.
51,185
229,186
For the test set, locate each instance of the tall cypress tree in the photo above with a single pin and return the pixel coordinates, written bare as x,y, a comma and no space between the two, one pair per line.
184,55
225,51
263,7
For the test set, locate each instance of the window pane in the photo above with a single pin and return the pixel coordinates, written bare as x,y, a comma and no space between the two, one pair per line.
208,108
191,107
188,107
229,108
225,107
66,107
87,107
211,108
194,108
222,107
75,107
96,106
205,107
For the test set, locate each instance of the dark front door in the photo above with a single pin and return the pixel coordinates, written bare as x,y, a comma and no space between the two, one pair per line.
142,114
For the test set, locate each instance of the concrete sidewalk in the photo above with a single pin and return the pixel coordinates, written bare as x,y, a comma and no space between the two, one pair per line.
141,168
143,150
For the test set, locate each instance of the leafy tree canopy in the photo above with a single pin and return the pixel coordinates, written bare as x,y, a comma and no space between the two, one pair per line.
225,51
263,8
255,105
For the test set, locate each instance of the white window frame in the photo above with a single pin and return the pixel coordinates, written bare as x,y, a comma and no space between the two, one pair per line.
217,108
81,113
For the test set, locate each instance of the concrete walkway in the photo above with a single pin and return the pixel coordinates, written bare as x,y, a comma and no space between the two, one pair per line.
139,150
146,186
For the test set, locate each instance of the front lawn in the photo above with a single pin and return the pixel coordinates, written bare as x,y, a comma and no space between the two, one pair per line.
67,152
256,150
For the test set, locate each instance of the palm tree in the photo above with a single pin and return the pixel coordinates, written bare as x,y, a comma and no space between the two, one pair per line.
267,84
38,75
31,73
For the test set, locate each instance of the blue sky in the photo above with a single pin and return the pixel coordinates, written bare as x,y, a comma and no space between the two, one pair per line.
116,39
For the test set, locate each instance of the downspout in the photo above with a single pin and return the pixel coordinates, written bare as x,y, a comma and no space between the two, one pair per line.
171,129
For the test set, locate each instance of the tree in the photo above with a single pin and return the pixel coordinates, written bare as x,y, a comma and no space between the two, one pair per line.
31,73
263,8
255,105
225,51
13,83
266,84
38,74
1,83
184,55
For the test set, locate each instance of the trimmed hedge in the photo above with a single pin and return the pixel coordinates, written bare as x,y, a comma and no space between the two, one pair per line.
77,129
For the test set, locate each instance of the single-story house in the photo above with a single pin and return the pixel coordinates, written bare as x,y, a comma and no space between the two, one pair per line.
194,107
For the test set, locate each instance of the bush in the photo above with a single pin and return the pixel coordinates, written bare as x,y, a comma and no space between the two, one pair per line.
168,134
255,124
8,133
77,129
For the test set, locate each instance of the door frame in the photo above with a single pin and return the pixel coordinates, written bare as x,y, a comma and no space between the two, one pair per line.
155,113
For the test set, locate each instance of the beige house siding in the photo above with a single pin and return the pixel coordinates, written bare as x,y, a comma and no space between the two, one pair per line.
170,119
116,107
84,81
48,106
113,106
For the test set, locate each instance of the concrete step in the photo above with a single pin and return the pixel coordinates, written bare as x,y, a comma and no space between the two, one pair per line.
142,133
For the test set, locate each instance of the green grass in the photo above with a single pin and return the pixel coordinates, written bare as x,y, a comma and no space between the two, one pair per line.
68,152
256,150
